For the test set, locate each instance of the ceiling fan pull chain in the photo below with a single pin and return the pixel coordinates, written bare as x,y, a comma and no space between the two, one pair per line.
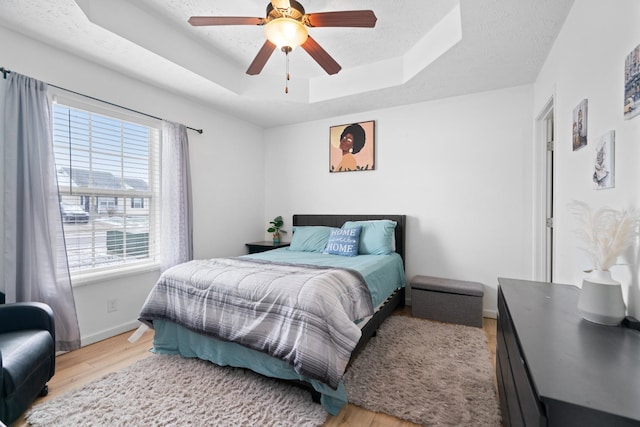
286,50
286,89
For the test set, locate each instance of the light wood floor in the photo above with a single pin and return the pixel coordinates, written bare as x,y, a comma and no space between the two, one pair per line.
89,363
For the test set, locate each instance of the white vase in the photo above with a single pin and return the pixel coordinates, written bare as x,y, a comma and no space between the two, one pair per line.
601,299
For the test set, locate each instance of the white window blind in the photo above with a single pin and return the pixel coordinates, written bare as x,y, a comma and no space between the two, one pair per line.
109,185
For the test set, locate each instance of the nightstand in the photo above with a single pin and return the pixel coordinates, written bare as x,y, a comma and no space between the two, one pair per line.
265,245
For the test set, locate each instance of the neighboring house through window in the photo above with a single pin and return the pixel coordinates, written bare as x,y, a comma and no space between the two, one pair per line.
137,203
108,169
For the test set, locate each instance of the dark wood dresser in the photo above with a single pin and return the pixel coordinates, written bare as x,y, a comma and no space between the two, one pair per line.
555,369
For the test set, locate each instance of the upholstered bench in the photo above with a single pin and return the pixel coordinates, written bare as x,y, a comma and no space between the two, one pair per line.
447,300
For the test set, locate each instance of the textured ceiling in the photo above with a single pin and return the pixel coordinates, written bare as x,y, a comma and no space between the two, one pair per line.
419,50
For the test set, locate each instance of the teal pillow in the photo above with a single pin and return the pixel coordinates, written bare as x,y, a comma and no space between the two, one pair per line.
310,238
343,241
377,236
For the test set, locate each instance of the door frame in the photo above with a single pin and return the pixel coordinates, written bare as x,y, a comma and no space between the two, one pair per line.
544,172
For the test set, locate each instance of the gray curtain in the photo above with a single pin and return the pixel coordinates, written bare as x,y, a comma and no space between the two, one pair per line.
36,267
176,235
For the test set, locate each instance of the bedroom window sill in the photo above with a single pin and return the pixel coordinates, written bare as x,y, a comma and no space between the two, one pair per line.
89,278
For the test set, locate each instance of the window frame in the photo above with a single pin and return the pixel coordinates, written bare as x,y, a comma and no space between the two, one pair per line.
152,262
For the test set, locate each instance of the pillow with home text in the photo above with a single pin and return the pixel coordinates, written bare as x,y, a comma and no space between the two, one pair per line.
343,241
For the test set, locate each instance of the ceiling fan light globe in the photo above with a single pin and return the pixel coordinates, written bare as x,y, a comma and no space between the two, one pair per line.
286,32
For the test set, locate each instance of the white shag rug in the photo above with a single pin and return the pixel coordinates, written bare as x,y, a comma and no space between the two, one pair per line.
429,373
174,391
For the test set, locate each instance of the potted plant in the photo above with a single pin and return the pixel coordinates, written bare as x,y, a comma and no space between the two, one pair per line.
606,233
275,228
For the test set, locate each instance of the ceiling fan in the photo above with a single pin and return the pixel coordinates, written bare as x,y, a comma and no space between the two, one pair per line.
285,27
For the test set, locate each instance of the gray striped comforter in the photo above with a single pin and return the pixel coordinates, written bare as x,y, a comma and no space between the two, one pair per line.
303,315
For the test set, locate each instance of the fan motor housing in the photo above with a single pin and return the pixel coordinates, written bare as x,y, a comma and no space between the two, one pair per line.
295,12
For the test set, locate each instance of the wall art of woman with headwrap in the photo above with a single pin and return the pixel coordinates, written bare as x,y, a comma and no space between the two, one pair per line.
349,151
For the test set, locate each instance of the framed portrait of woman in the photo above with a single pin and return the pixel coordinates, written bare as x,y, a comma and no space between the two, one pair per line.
579,132
352,147
632,84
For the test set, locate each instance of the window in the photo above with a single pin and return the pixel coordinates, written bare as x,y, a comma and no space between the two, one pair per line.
109,179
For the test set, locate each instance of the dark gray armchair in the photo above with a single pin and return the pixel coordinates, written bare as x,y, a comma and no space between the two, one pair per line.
27,356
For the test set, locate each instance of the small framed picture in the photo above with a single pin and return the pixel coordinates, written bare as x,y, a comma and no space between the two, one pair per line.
579,134
352,147
604,163
632,84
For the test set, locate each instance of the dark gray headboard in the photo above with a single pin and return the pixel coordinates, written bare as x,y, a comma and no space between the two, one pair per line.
338,220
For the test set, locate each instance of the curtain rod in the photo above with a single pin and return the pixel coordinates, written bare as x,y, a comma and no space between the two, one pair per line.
4,72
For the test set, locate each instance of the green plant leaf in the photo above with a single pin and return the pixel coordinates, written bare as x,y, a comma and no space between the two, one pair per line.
276,224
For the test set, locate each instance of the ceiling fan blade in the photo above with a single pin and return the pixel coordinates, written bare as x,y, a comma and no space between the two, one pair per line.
321,56
197,21
261,58
347,18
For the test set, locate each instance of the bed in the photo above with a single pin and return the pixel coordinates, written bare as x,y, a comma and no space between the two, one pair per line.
194,318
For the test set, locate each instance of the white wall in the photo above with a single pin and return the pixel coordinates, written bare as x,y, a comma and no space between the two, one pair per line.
226,161
458,167
587,61
462,169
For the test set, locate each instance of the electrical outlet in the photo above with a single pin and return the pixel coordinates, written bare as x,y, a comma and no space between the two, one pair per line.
112,305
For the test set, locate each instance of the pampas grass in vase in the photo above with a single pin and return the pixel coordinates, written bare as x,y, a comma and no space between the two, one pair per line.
606,233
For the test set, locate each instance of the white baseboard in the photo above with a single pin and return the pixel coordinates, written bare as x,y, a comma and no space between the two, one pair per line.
492,314
134,324
108,333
